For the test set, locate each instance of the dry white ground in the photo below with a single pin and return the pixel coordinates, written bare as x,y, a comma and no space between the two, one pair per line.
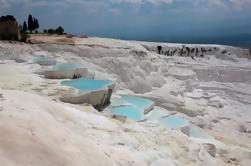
213,92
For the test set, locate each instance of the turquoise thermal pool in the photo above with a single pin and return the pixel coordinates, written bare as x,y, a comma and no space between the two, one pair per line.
129,112
174,122
65,66
118,102
87,85
196,132
156,114
131,107
138,102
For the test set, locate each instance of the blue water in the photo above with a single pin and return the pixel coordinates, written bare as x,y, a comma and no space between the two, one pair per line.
130,106
39,57
196,132
174,122
156,114
44,60
87,85
138,102
118,101
128,111
65,66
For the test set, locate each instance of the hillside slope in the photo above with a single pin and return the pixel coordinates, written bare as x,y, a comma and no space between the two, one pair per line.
213,92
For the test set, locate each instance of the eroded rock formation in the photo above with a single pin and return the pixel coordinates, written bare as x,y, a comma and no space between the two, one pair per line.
8,28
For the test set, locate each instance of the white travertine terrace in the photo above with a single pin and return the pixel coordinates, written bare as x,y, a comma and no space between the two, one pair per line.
68,74
213,92
99,98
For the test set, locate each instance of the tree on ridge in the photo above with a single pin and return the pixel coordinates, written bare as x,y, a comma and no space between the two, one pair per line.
25,26
30,23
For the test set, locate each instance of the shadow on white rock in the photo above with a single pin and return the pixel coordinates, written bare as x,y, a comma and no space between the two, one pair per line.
94,92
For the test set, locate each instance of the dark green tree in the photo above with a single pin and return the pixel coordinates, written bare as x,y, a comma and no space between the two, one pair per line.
25,26
30,23
7,18
24,36
36,24
51,31
59,30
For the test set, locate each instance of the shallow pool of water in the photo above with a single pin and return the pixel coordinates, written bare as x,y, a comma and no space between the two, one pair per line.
156,114
132,107
87,85
138,102
130,112
118,101
174,122
196,132
65,66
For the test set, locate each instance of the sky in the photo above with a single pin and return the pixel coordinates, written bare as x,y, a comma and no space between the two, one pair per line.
152,20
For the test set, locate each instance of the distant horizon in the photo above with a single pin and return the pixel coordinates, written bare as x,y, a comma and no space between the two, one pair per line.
239,40
242,40
183,21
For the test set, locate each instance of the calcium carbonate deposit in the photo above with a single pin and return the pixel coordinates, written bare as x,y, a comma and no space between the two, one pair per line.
169,104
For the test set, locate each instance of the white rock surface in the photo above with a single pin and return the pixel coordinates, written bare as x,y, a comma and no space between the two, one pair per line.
213,92
69,74
99,98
